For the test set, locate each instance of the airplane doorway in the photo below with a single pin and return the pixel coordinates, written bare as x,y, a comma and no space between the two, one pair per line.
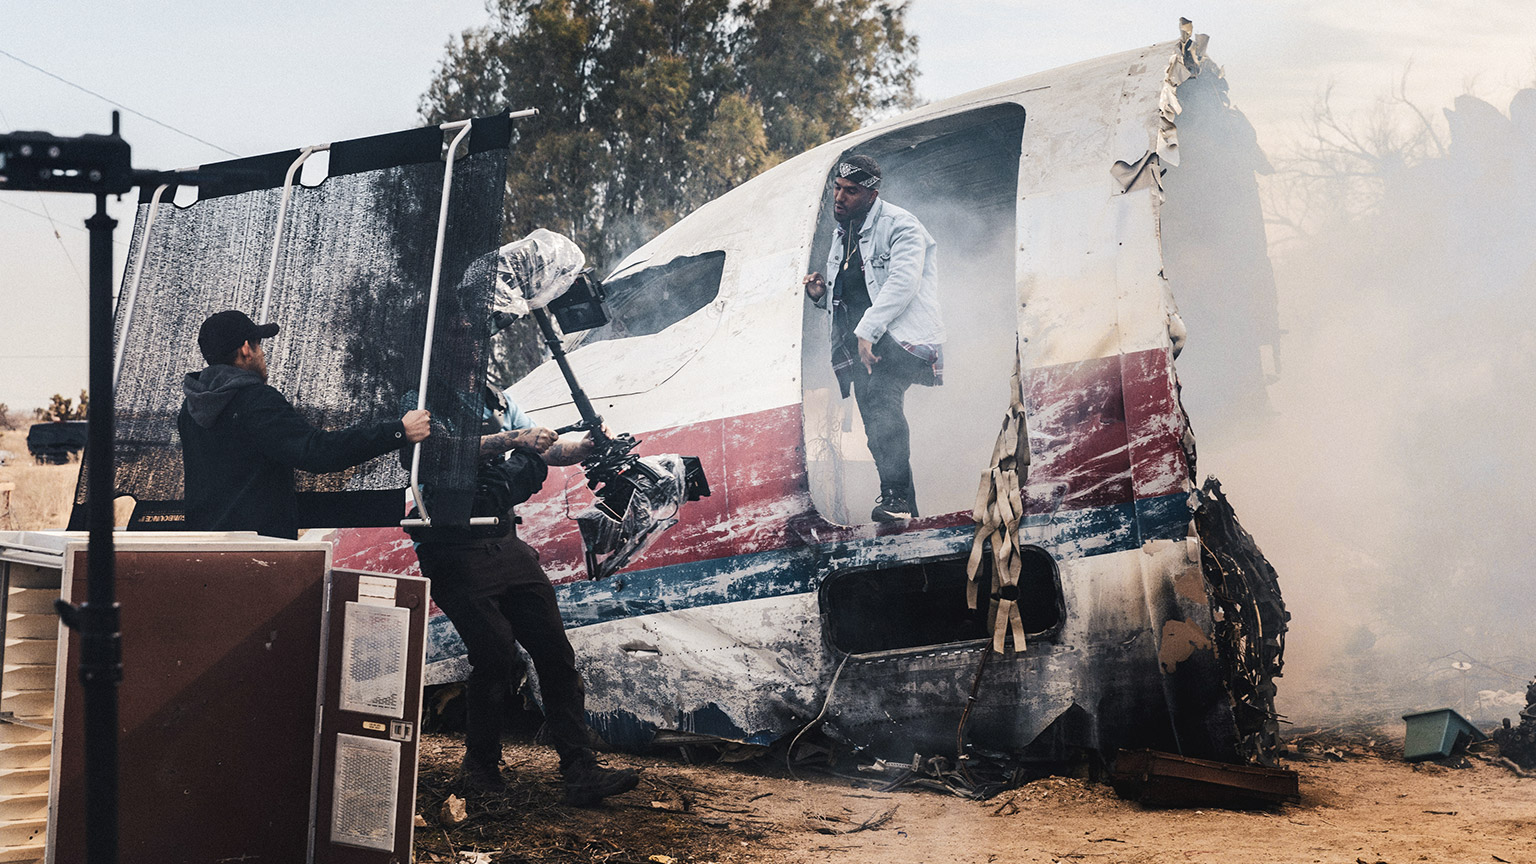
959,176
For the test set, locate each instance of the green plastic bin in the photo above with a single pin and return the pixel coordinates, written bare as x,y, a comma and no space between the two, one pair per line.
1437,734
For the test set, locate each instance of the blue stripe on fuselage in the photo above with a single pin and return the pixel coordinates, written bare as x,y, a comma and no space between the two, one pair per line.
798,569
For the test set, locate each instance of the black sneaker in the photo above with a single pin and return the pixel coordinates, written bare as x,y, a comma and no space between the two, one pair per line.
482,778
892,507
587,783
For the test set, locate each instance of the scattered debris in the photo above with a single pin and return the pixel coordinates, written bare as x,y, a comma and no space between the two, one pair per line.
453,812
1060,789
420,821
835,824
1338,742
977,776
662,859
1250,621
1517,743
665,797
1167,780
1516,769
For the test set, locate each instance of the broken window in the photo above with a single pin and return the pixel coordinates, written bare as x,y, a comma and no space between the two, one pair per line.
655,298
959,176
921,604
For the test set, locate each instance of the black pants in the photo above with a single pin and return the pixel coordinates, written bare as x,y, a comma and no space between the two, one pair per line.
498,597
881,396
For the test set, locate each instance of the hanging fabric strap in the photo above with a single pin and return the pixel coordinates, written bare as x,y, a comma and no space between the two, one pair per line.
999,508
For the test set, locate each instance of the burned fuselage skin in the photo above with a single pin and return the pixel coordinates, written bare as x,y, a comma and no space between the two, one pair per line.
1044,195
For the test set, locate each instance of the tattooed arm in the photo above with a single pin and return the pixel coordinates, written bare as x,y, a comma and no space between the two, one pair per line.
569,452
538,439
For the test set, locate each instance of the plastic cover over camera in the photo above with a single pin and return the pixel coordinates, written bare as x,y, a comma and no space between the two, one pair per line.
535,270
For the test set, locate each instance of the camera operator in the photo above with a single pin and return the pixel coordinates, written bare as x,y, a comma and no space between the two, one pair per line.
490,585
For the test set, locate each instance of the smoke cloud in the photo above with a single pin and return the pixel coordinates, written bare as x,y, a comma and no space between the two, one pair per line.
1392,485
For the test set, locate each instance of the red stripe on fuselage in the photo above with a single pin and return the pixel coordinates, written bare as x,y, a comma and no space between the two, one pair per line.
1102,432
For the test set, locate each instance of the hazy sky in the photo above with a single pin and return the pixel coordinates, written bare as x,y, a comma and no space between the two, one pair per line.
255,77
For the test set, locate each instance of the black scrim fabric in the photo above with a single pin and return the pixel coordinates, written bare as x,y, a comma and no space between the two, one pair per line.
351,295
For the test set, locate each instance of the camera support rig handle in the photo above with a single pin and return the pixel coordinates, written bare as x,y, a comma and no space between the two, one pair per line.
590,419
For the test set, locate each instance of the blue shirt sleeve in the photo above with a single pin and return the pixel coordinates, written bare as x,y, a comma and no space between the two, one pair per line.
516,419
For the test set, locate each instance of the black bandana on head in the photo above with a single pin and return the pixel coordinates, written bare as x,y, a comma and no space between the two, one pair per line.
858,175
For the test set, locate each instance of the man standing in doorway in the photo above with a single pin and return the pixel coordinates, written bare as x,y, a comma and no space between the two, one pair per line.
241,440
887,333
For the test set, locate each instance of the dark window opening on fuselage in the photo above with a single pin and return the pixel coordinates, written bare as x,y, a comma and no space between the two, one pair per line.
655,298
923,603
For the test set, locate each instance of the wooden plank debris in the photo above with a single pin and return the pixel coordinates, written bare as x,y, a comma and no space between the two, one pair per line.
1168,780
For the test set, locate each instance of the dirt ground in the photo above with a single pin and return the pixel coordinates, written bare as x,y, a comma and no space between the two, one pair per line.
1369,807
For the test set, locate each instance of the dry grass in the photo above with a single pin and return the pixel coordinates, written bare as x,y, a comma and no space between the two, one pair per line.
43,494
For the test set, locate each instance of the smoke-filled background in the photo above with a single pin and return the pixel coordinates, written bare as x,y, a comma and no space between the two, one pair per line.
1391,485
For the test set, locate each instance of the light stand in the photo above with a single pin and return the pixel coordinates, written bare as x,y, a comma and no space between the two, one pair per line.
99,165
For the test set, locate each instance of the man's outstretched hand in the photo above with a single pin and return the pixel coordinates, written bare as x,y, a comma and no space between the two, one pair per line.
815,285
418,425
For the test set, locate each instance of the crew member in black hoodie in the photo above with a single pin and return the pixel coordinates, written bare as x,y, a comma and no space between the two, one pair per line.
241,440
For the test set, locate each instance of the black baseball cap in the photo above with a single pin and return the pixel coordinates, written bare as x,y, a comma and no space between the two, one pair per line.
226,331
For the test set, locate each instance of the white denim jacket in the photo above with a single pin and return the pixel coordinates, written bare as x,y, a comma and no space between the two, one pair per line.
901,271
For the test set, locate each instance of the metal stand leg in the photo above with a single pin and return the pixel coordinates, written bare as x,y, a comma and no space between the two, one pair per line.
101,658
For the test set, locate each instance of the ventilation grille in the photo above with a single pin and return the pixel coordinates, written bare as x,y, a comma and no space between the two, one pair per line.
373,659
366,783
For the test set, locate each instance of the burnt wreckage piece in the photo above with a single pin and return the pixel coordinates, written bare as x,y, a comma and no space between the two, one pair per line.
1517,742
1250,622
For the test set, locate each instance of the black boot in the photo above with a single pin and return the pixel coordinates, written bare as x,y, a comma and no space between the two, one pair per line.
893,506
482,777
486,703
587,783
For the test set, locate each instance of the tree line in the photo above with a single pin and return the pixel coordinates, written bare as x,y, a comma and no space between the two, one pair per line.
60,407
650,108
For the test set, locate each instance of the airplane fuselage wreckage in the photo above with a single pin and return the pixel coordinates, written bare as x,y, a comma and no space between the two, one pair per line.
1069,589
